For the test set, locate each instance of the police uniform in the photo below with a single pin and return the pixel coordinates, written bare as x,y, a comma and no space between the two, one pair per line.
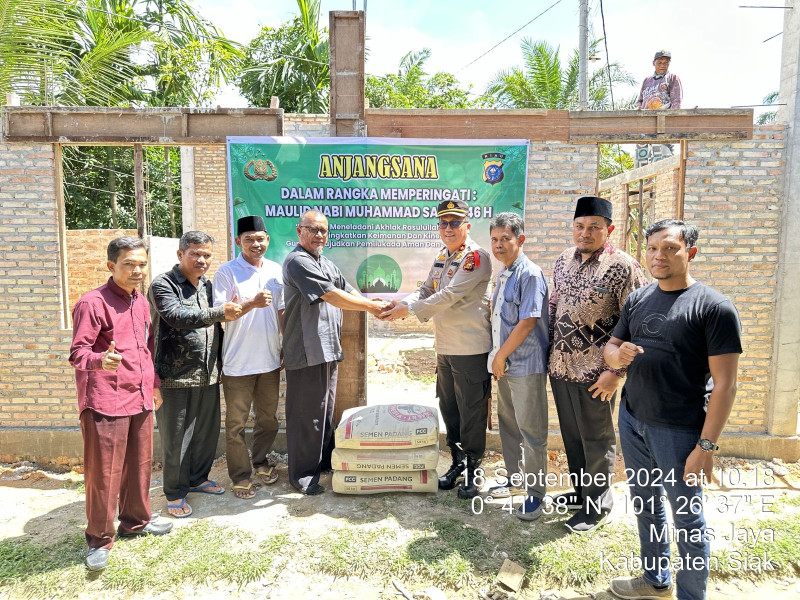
454,296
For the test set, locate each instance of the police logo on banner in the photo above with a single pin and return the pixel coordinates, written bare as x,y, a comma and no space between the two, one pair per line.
493,167
260,168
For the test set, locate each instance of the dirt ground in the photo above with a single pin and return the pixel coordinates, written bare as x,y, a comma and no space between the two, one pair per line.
43,506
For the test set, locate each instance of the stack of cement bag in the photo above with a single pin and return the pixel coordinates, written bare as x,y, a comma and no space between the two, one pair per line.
387,448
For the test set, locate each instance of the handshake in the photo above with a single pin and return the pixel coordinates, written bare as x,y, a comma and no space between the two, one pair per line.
389,310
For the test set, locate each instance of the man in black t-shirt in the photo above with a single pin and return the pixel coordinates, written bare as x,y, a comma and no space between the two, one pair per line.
673,336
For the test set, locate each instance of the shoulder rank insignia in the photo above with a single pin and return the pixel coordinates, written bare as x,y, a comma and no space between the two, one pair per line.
469,262
459,255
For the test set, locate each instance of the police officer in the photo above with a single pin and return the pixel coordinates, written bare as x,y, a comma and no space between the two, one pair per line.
455,296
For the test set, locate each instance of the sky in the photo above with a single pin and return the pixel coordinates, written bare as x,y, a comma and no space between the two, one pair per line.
718,48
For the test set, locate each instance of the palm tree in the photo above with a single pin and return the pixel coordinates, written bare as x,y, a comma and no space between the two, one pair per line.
290,62
544,82
769,116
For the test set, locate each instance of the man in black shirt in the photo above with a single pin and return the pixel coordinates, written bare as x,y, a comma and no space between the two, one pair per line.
674,336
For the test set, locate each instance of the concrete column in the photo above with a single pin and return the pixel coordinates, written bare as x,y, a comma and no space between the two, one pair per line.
785,390
187,187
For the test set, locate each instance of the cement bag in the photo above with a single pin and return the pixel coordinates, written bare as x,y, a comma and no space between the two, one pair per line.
377,482
387,459
389,426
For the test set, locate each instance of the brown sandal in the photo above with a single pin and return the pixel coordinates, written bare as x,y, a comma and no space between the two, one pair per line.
268,476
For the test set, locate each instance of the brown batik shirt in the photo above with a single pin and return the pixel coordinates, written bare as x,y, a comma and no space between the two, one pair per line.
585,303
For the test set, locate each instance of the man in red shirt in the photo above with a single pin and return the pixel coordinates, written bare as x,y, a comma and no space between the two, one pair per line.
112,352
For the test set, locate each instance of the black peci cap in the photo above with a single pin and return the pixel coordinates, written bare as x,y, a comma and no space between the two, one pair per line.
252,223
593,206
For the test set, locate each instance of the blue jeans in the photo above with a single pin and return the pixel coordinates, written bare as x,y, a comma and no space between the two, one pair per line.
648,449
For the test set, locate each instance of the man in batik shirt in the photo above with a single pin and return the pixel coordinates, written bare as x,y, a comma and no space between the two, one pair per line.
591,281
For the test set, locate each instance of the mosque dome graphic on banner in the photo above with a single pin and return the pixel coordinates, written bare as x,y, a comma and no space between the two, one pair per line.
379,274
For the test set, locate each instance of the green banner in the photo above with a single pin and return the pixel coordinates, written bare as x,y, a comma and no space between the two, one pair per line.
379,195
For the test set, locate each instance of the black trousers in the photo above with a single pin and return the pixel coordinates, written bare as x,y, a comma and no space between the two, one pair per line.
463,386
589,439
310,399
189,424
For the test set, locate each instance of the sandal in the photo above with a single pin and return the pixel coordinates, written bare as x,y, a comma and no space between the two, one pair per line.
203,489
249,490
180,505
268,476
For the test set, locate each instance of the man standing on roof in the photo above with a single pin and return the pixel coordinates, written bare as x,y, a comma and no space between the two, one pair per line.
662,89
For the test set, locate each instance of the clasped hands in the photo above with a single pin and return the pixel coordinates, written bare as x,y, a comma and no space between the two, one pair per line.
391,310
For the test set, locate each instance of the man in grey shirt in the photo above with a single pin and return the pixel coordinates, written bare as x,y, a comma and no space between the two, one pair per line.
315,293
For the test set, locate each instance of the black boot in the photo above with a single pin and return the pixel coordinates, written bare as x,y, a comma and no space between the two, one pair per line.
468,488
454,473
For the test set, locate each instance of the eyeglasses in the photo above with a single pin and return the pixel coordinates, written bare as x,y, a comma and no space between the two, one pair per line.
451,224
315,230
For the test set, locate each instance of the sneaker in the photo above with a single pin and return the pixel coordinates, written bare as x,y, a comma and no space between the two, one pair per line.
637,588
152,528
505,491
97,559
584,522
530,510
571,500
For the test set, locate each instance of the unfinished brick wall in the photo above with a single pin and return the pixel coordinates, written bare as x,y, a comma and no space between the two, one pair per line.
86,259
211,207
36,383
733,194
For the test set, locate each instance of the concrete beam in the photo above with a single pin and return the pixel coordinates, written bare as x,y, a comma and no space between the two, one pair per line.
94,125
575,127
638,126
533,124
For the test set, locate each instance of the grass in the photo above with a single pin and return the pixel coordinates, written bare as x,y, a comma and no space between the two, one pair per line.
778,541
197,554
555,558
447,553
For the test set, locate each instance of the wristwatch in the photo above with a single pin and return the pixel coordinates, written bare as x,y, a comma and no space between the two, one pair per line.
707,445
410,310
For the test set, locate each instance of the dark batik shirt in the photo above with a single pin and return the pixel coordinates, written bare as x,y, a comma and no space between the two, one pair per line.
188,331
585,303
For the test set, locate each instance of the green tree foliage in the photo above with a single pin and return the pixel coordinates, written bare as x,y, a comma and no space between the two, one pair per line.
290,62
93,183
613,161
769,116
412,87
114,53
544,82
